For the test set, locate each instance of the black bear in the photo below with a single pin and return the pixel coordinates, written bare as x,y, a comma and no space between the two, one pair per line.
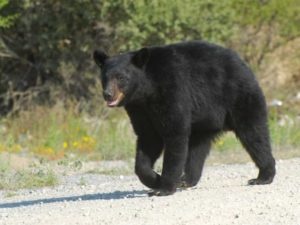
179,98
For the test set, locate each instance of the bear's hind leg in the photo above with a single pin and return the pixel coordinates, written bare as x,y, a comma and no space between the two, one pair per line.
255,139
199,146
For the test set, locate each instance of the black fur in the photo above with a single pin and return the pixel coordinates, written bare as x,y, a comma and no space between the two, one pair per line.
179,98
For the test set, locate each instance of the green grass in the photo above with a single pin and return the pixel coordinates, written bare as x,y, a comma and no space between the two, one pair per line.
59,131
116,139
54,132
13,179
284,132
10,194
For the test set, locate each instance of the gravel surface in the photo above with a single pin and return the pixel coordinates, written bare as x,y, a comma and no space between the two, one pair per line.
220,198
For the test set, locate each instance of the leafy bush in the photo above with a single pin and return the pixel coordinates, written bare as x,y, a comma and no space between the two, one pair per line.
6,20
49,43
140,23
265,26
46,38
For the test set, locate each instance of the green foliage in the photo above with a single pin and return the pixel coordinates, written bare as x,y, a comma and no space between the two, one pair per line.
6,20
46,37
50,42
283,14
264,26
142,22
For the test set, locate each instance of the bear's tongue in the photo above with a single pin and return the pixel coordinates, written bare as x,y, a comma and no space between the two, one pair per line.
113,103
116,101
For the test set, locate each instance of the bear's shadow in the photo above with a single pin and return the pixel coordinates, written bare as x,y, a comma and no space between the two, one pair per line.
88,197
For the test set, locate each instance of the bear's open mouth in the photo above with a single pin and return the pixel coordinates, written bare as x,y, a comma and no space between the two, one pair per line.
116,100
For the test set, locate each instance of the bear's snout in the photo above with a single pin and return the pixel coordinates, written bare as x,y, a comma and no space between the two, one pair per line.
108,95
112,94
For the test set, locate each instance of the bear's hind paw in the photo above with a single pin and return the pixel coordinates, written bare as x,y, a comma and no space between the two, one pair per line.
258,181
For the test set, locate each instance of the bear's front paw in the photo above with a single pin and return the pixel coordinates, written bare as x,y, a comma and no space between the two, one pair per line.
160,193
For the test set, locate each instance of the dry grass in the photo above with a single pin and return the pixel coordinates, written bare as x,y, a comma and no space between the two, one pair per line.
54,132
26,175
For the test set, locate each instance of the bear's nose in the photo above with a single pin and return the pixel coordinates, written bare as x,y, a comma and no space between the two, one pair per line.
107,95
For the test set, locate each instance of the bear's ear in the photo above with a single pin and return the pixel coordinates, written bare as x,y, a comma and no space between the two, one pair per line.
140,58
100,57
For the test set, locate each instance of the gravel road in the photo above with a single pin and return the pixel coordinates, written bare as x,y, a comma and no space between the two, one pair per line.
220,198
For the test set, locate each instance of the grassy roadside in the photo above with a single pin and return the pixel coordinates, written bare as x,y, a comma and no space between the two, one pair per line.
70,138
284,132
14,177
55,132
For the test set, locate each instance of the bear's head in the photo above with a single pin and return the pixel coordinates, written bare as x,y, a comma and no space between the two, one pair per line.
122,76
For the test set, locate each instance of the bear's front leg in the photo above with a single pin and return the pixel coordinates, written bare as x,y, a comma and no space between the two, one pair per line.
149,148
173,164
